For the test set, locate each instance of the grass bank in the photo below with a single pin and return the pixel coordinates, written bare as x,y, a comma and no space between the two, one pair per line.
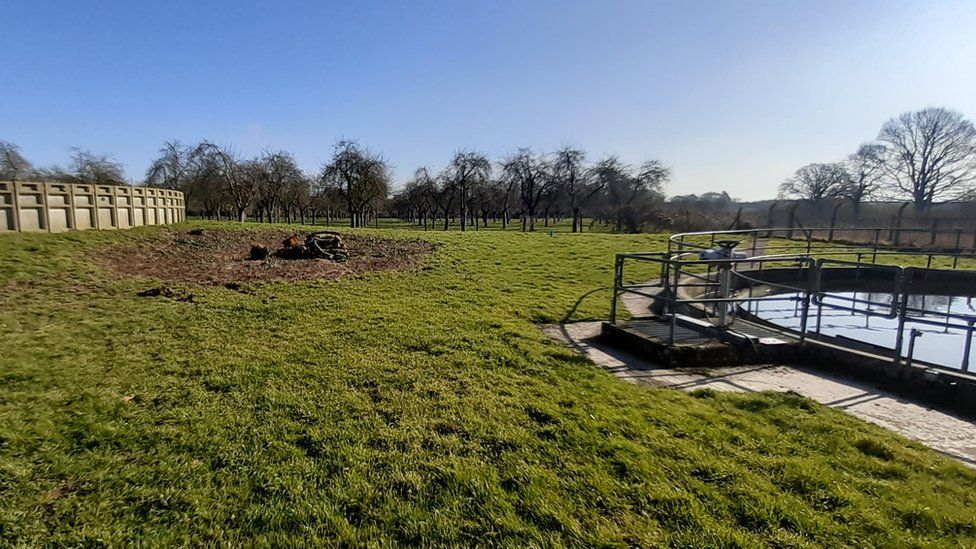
409,407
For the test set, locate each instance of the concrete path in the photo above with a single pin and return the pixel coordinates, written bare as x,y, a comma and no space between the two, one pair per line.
638,305
943,432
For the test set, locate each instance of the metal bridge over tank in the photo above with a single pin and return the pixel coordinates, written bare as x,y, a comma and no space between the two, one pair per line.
705,301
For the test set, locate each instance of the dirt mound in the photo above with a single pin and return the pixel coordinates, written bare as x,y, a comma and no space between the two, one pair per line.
221,256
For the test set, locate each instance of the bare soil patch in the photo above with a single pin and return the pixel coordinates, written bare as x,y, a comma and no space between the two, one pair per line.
220,256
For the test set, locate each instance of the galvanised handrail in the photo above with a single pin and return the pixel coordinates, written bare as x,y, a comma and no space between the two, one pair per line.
676,265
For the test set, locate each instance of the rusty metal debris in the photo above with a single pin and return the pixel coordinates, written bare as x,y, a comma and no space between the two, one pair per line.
317,245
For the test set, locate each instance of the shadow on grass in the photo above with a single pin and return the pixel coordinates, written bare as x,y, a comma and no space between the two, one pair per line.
579,301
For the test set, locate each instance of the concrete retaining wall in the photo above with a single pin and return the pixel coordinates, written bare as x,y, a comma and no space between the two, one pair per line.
55,207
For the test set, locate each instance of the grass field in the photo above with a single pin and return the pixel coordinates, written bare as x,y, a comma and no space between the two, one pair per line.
408,408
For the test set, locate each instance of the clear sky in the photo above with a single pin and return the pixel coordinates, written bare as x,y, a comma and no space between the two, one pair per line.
732,95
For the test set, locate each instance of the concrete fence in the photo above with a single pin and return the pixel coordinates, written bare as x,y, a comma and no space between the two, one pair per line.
55,207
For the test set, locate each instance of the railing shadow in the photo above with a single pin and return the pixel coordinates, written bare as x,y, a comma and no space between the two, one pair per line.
569,315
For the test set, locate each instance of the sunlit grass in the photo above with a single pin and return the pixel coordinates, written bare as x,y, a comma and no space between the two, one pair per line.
410,407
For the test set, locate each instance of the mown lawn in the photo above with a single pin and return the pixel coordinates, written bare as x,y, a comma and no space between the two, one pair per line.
409,408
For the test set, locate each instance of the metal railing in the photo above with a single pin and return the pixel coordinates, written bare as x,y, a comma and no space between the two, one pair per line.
722,289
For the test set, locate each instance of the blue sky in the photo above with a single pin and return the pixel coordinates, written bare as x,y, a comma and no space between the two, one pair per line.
732,95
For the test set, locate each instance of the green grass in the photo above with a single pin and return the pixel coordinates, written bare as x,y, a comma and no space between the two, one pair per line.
408,408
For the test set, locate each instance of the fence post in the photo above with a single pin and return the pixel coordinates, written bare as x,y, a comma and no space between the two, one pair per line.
969,346
877,238
789,234
901,213
902,312
616,285
673,300
833,222
816,293
806,304
769,220
912,336
957,250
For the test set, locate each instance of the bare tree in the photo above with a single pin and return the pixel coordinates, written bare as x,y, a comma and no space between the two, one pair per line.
13,166
276,173
630,194
357,175
206,187
297,196
419,196
507,197
413,203
931,155
93,169
529,173
611,174
239,178
816,183
865,173
484,198
175,168
439,191
576,184
466,170
324,200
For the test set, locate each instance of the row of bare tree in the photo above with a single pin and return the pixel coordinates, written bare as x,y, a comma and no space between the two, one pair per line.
528,185
355,184
83,167
214,179
216,182
925,156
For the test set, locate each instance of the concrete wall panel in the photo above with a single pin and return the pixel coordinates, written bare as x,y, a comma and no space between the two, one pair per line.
58,219
30,220
55,207
84,219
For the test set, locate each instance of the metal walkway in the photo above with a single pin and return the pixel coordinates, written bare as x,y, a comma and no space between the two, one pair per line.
707,282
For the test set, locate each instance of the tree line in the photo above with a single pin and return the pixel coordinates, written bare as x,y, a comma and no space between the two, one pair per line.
271,186
83,167
355,184
218,183
925,157
529,186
